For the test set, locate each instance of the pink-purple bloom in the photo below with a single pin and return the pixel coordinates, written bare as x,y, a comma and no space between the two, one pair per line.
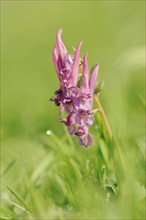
74,100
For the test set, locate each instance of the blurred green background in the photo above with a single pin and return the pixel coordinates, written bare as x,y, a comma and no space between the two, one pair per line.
113,34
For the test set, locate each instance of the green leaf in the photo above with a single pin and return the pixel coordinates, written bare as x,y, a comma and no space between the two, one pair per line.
99,87
79,81
92,68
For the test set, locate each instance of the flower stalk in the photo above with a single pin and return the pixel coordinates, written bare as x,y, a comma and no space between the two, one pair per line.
103,116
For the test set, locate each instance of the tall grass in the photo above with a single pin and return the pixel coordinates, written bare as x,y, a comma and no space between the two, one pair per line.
68,181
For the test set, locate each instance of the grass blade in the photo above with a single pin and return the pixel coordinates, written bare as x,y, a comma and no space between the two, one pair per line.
18,198
8,167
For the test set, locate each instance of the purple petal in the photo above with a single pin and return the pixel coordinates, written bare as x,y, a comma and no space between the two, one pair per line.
55,59
59,63
61,47
71,92
85,82
93,79
88,121
68,121
82,130
72,130
62,109
85,140
68,59
56,100
58,92
74,74
78,119
63,120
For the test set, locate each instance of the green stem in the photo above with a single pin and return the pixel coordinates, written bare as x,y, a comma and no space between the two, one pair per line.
102,113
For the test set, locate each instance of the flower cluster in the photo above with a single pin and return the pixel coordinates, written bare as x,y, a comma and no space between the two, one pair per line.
75,100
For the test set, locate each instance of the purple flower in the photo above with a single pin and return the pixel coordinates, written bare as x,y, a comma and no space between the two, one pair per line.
76,102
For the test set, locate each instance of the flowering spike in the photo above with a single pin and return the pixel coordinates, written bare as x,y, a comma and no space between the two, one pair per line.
75,101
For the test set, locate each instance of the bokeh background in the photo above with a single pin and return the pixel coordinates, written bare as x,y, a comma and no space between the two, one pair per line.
113,34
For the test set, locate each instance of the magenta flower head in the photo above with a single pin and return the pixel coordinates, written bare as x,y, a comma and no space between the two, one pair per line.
75,100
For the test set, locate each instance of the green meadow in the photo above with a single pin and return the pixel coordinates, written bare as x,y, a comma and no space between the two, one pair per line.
52,177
